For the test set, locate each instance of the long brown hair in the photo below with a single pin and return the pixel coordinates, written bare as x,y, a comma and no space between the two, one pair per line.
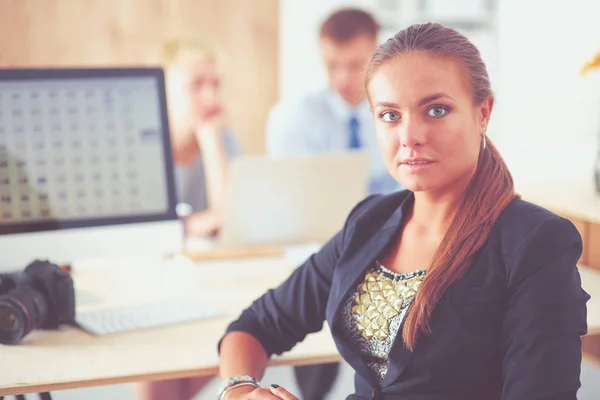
490,190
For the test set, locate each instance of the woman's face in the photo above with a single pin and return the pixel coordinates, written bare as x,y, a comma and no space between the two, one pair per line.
428,128
194,89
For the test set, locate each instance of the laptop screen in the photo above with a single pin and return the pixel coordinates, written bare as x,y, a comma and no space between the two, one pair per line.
83,147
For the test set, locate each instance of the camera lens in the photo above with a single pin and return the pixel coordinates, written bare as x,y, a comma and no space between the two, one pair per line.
8,320
21,311
13,322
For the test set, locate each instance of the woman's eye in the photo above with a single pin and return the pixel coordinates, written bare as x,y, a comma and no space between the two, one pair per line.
437,111
390,116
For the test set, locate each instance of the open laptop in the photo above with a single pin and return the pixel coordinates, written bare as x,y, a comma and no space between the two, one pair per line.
293,199
85,165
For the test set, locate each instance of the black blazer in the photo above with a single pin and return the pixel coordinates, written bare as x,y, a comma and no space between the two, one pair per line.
509,329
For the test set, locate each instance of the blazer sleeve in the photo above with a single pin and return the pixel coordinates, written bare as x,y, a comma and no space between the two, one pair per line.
546,316
283,316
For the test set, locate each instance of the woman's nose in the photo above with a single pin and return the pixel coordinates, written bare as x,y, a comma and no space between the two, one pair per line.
411,132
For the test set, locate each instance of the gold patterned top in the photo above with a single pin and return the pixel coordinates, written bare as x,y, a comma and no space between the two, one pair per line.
374,313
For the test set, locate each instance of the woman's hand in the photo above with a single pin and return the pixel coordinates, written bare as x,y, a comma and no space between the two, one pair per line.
210,123
274,392
281,393
204,223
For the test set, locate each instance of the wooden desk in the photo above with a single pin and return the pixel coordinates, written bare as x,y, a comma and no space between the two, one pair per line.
577,201
49,361
590,279
229,254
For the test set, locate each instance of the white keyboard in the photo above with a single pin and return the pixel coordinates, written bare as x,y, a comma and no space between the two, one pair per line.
151,315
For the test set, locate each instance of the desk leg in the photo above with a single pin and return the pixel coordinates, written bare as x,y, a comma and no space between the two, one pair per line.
590,345
43,396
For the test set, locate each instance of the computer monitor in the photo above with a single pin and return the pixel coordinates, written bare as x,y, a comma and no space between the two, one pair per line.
85,165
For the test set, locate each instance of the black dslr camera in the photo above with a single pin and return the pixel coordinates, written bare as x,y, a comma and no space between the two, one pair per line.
40,297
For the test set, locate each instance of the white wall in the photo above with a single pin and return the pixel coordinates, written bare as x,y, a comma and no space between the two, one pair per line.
546,120
550,113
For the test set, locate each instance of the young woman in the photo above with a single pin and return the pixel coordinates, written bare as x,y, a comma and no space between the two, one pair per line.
454,289
201,141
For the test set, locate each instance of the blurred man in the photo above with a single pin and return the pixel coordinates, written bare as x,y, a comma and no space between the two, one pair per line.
334,119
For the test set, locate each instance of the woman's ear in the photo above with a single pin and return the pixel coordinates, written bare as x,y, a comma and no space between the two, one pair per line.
485,110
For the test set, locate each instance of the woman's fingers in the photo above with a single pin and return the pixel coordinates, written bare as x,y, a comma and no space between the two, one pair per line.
282,393
274,392
260,394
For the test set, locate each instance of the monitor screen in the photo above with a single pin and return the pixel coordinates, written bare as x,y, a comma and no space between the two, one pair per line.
83,147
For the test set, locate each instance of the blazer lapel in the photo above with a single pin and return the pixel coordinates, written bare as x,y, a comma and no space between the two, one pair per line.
349,272
398,359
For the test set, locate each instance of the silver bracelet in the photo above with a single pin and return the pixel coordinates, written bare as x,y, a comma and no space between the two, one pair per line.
236,381
237,385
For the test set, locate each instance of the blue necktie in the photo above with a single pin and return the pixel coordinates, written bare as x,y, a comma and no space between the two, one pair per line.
354,130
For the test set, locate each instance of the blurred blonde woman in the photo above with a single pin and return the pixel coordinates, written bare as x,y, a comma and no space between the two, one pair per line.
201,142
202,146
